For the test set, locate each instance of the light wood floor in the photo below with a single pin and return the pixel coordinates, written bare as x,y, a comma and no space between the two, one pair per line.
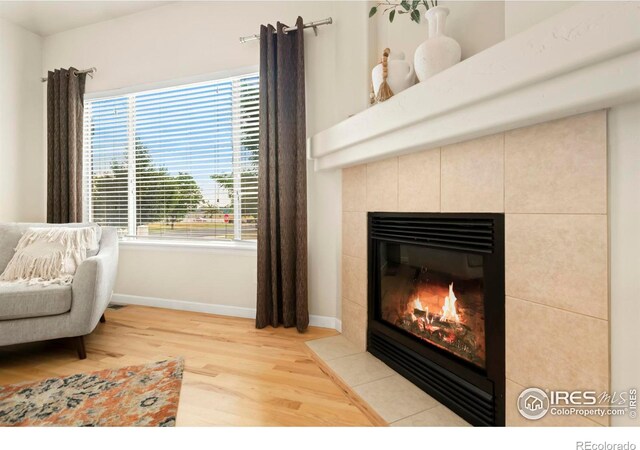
234,374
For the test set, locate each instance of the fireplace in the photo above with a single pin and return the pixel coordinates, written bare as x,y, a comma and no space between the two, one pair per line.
436,306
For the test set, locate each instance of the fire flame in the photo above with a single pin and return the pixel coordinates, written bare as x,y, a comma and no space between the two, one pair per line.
449,313
417,305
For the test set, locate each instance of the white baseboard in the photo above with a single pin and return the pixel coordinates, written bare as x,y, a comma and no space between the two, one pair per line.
222,310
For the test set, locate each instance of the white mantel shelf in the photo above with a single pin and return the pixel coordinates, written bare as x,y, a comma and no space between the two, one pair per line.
583,59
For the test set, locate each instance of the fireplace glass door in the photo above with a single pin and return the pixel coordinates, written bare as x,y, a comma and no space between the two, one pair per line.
435,295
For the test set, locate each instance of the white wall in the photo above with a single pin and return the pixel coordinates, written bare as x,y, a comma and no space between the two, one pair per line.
519,15
624,217
184,40
22,188
475,25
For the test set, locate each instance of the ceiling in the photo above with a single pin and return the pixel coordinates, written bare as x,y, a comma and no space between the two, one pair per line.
50,17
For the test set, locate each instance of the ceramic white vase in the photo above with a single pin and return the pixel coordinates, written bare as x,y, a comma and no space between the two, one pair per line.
439,52
400,74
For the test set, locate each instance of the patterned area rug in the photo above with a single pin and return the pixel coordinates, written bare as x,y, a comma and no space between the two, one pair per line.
145,395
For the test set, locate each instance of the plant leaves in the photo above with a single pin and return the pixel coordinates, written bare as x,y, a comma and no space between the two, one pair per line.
392,14
415,16
426,4
414,5
372,11
405,5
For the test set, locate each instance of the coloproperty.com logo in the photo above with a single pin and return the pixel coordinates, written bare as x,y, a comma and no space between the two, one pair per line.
535,403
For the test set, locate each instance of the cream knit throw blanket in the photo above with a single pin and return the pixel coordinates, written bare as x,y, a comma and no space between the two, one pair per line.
49,255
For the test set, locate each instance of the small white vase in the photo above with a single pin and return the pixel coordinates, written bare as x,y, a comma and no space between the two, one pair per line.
400,74
439,52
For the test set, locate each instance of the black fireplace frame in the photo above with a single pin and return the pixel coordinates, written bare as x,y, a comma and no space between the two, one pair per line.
475,394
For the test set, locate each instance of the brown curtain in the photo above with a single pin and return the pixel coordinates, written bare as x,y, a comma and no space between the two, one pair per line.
65,93
282,181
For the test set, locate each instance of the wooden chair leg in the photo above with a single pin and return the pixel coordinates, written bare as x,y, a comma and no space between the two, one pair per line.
82,353
102,319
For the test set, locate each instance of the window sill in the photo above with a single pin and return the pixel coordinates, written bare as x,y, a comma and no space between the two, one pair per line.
236,247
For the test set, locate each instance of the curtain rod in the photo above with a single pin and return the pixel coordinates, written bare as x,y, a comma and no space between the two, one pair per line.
90,71
314,25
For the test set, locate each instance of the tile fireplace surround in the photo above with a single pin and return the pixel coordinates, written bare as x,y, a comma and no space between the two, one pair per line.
550,180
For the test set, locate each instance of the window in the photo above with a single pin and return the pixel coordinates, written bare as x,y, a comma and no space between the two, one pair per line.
177,163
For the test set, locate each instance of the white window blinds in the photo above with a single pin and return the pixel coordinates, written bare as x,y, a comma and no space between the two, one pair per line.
175,163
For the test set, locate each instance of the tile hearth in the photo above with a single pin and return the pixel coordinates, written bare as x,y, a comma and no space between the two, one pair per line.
391,396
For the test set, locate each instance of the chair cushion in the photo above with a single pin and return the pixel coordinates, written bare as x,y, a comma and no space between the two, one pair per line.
20,300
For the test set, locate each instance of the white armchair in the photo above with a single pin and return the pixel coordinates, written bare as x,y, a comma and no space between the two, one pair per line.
37,313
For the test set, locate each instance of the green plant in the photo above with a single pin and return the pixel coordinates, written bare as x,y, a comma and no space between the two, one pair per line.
404,7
